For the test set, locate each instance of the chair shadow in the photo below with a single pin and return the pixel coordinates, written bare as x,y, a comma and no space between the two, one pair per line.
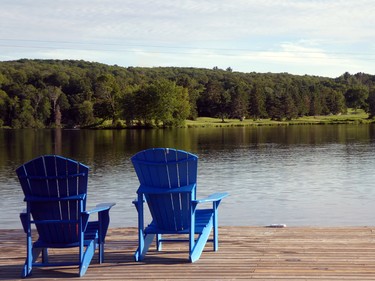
121,257
14,272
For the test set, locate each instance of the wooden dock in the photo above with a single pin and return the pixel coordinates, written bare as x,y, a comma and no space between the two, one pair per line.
260,253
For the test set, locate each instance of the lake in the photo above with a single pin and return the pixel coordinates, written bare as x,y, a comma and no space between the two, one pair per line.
304,175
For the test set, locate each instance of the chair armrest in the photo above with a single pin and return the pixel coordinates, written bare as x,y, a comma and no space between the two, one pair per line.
49,199
103,219
212,198
100,208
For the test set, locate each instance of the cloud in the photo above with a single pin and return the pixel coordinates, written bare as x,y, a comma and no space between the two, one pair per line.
292,33
187,21
194,19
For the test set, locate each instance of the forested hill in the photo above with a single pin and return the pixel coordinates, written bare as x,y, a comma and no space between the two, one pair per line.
68,93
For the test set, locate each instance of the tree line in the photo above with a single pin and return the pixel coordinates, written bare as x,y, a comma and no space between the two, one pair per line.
71,93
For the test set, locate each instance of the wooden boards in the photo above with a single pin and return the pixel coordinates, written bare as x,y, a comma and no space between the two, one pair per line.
260,253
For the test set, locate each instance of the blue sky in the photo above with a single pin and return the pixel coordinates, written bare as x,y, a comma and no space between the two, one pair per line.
315,37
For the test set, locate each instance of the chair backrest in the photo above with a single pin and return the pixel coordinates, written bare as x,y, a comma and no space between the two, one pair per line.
55,190
167,169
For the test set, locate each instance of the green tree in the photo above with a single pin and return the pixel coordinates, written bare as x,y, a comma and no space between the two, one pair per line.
162,102
239,100
57,79
54,94
194,91
64,105
257,102
107,97
171,103
316,107
298,97
181,107
86,113
144,105
40,104
274,106
129,106
218,99
356,97
4,105
335,101
288,105
25,118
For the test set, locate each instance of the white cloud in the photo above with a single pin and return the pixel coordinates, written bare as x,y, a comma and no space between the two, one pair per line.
189,20
295,33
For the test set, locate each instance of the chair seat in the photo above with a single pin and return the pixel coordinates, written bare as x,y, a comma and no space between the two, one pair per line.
89,235
202,219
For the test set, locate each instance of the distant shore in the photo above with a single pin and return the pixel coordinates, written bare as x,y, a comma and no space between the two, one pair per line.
352,117
314,120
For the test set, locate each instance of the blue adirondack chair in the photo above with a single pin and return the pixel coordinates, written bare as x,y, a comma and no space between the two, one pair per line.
168,181
55,190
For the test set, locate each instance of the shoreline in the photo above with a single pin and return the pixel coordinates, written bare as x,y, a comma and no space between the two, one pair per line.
358,117
352,117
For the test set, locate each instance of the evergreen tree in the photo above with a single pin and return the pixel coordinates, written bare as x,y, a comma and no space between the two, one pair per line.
257,104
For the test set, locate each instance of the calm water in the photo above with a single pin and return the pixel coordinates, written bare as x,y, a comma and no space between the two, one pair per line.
296,175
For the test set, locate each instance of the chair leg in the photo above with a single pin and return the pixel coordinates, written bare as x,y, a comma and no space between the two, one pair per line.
215,232
143,247
215,226
159,245
200,243
26,271
27,268
36,253
101,253
45,255
86,259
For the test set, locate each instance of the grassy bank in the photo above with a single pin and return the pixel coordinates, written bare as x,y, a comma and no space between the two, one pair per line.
352,117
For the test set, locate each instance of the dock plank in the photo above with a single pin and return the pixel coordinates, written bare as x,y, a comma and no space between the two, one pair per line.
245,253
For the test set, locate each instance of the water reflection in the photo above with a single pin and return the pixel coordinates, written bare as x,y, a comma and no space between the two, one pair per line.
297,175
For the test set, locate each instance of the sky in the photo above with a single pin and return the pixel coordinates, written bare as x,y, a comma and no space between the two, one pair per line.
302,37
